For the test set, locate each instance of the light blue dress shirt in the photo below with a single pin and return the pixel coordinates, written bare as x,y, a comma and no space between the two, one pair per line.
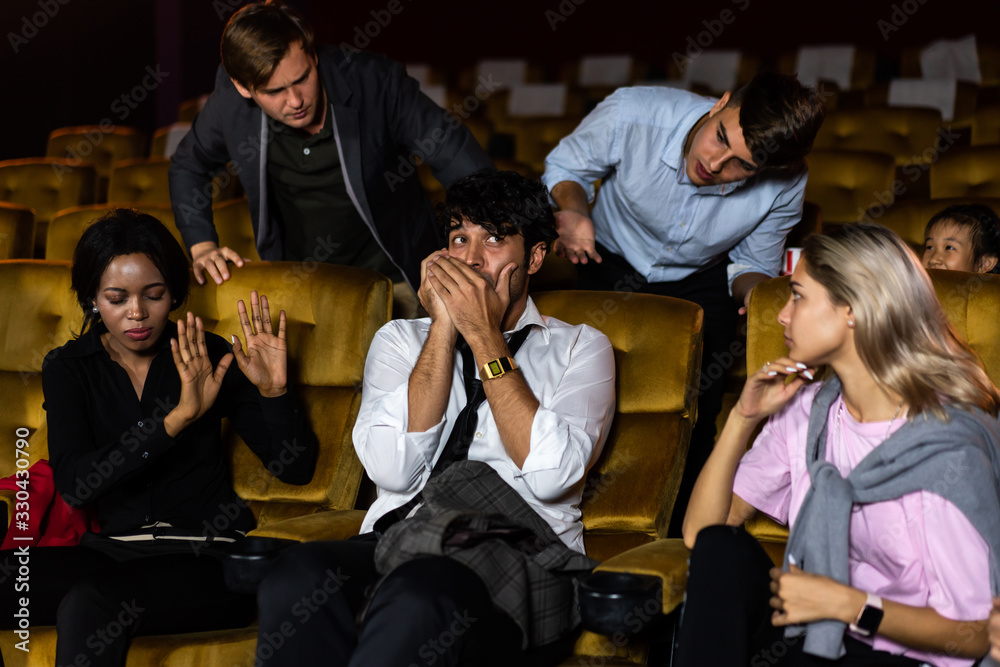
650,212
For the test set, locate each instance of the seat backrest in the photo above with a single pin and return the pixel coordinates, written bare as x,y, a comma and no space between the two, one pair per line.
68,226
146,181
17,231
235,227
967,172
631,490
47,185
101,146
845,184
140,180
970,300
904,134
38,312
333,313
232,222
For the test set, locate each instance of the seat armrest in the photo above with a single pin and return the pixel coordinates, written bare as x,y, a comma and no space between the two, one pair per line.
329,525
666,559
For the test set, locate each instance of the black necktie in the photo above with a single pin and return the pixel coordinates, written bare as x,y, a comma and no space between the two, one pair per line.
462,433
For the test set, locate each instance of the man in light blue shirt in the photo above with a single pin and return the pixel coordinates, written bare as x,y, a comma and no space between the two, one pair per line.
696,199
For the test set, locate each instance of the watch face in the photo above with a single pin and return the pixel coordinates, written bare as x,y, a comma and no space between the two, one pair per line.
495,368
870,619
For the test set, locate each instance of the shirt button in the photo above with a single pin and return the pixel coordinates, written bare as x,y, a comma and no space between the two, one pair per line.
145,455
305,151
140,423
479,434
670,248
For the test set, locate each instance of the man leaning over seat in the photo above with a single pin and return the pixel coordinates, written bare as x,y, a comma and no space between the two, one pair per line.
316,136
697,196
504,513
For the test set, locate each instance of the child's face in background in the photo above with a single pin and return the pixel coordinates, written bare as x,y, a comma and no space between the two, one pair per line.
948,246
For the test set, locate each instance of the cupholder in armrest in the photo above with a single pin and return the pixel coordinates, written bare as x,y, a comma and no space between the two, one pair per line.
248,561
620,602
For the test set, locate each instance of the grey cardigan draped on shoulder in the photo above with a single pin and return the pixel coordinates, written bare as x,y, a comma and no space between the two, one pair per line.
913,459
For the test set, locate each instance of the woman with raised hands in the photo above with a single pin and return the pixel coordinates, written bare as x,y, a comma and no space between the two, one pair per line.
134,408
887,472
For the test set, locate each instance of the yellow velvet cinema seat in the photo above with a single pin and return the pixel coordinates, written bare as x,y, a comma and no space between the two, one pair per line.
140,180
37,313
657,343
232,222
17,231
970,301
145,181
967,172
845,184
333,312
47,185
103,145
631,490
907,134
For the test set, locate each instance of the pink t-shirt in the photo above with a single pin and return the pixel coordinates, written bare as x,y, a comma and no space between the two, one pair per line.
918,550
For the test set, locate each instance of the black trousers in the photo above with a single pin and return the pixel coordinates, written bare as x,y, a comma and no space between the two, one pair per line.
710,290
429,611
102,595
727,618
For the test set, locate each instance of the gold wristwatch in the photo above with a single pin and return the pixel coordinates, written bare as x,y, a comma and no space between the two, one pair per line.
491,370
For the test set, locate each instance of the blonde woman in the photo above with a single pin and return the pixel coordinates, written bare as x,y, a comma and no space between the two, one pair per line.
887,472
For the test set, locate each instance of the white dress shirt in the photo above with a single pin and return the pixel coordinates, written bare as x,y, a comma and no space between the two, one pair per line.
570,370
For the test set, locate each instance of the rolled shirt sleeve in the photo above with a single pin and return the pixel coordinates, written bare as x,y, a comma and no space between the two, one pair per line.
397,461
761,250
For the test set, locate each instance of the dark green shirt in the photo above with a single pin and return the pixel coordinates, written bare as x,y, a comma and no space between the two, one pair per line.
318,220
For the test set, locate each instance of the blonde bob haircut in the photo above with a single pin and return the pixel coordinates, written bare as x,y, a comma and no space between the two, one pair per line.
901,332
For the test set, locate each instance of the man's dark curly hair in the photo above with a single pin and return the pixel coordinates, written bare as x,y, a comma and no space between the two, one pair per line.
504,203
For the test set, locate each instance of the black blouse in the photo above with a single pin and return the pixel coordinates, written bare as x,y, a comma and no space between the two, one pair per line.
109,448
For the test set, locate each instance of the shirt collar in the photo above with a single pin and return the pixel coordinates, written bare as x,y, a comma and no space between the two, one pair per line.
673,153
530,317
